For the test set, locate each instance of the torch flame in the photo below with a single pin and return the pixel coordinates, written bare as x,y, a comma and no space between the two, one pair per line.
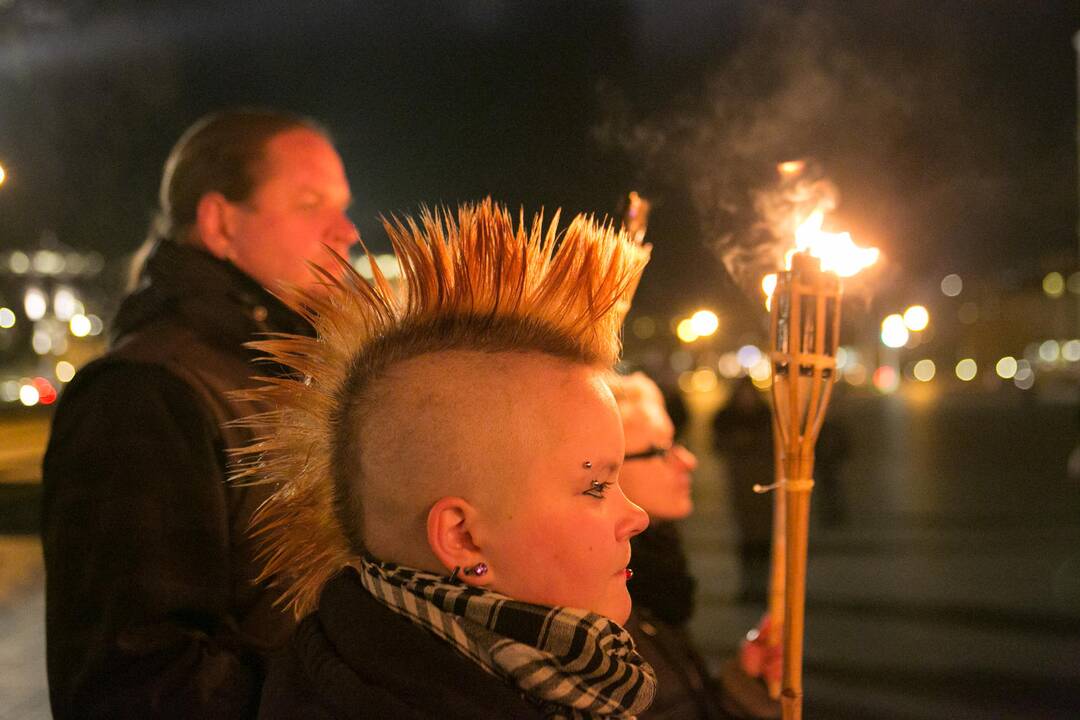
837,252
768,285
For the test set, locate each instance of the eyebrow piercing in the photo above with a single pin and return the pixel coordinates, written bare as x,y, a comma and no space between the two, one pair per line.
587,464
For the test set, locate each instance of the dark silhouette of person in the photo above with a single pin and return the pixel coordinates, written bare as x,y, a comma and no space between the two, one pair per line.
742,435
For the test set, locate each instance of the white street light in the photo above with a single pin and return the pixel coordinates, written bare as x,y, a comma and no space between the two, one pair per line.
894,333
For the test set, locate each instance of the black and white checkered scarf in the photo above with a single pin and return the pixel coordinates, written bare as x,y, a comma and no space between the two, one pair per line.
572,663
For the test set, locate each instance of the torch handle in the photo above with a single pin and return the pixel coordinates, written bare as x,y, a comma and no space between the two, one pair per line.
777,563
797,510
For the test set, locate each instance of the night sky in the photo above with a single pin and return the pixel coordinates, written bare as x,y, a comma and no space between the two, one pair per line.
948,127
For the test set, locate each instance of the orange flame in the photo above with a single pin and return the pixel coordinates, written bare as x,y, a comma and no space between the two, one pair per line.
837,252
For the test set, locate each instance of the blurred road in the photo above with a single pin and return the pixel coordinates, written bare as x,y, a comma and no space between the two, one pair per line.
943,582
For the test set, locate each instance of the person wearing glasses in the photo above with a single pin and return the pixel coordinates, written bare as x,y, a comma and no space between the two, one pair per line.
656,475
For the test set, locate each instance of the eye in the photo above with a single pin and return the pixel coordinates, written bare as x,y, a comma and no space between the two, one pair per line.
596,489
309,201
653,452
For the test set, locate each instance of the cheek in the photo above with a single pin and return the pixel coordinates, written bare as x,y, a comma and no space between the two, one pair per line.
557,540
555,559
287,231
579,555
286,246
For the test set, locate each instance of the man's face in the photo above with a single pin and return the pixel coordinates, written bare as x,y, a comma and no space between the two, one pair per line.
298,206
659,484
562,534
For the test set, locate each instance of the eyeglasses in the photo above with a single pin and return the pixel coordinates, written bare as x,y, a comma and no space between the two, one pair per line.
653,452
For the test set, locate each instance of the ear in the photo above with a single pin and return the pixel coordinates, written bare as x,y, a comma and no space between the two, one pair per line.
449,534
215,221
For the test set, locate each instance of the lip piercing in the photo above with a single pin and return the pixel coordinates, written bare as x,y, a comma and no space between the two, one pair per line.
629,573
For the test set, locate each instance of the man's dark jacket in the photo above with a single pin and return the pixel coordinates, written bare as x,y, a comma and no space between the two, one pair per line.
151,606
354,658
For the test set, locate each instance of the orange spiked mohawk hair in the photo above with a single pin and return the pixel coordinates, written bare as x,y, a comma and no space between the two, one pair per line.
476,282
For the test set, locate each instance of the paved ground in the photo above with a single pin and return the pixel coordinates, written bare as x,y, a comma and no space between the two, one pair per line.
943,583
947,584
23,692
24,435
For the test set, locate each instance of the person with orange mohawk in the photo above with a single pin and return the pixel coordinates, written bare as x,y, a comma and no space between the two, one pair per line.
446,520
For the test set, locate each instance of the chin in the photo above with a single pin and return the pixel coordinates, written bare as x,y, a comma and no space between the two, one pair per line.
619,618
619,609
684,507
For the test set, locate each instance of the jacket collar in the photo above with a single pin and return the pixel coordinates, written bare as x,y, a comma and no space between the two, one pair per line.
219,302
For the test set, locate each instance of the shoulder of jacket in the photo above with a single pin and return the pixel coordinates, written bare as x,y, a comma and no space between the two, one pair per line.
169,358
211,368
166,341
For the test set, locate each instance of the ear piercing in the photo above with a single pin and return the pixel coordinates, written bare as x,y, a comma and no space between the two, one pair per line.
478,569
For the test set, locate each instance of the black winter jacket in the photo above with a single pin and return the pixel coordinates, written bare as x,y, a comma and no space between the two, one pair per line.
355,658
151,606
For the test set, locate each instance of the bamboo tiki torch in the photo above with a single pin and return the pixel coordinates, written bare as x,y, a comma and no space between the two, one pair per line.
805,333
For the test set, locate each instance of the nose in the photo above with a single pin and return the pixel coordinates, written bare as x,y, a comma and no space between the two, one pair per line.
685,458
633,521
343,232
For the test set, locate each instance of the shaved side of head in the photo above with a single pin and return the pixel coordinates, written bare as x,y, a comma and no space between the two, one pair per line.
460,423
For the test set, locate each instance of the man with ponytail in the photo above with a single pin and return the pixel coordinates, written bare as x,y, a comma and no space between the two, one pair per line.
152,609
